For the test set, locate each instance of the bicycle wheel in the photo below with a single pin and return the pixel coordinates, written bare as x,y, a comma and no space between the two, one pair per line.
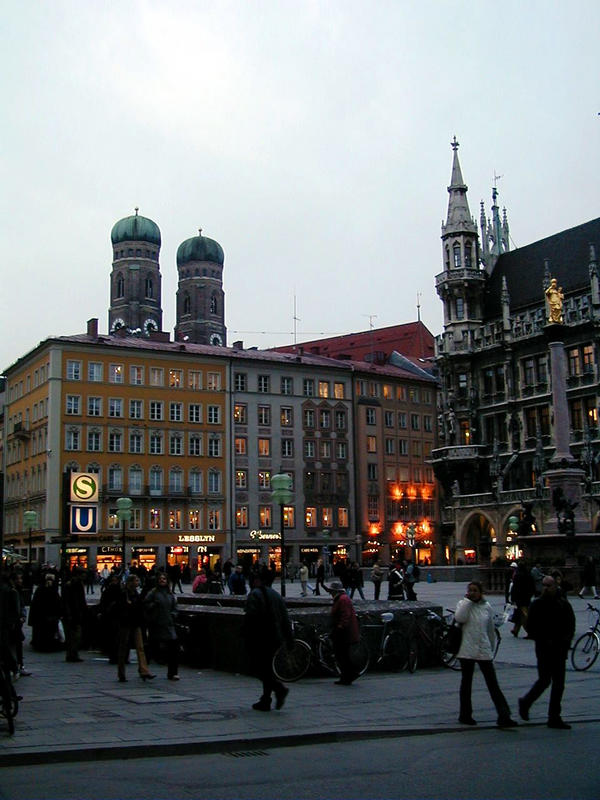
395,651
291,663
449,659
360,656
585,651
413,656
327,656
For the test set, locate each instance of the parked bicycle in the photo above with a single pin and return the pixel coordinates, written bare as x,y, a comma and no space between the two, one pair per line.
9,699
392,648
585,650
313,648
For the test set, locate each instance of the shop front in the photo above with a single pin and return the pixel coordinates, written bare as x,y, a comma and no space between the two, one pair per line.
197,550
77,557
146,556
309,556
109,556
178,554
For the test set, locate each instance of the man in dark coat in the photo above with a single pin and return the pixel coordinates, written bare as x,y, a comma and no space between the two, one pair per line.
344,632
74,614
266,628
523,589
552,624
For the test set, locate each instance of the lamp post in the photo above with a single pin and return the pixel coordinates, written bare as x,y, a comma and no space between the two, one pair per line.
30,519
124,505
411,532
282,494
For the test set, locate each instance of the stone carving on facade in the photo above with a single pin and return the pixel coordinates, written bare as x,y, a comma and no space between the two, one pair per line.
555,297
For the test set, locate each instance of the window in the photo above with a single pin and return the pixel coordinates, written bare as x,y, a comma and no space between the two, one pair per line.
194,519
327,516
287,386
115,442
240,413
371,418
460,308
308,387
73,370
264,447
588,359
156,443
340,420
115,407
263,383
156,410
72,439
343,518
402,419
309,448
155,519
195,443
427,423
175,519
136,476
214,446
338,391
94,441
241,445
240,382
176,412
213,381
264,479
456,254
371,444
115,478
373,389
214,415
214,482
325,448
309,418
289,517
373,507
73,404
136,409
287,448
324,418
323,388
113,520
401,393
287,417
241,479
371,472
415,422
115,373
264,516
214,519
389,447
136,442
574,361
416,448
341,451
194,379
402,447
241,517
156,480
136,376
413,395
175,444
196,481
94,408
195,412
95,371
176,480
175,378
157,376
310,517
264,415
528,371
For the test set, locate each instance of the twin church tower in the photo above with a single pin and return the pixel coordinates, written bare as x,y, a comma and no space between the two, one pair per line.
135,284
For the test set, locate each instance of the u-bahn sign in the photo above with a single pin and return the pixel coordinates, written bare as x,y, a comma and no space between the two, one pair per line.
84,487
84,519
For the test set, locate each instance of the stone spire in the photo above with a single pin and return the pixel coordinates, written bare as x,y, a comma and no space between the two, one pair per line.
458,219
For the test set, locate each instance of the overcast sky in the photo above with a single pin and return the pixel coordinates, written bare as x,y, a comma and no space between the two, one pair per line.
310,139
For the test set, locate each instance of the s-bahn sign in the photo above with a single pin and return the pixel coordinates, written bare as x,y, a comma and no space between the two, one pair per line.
84,487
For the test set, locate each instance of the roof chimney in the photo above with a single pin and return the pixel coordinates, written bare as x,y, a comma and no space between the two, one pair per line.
92,327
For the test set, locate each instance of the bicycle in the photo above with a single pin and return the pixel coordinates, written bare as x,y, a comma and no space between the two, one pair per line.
392,649
9,699
586,648
432,636
292,663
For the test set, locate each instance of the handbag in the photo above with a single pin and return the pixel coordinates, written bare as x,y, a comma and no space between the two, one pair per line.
453,638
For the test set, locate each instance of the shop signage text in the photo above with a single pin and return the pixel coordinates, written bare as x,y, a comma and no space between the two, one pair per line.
265,535
197,537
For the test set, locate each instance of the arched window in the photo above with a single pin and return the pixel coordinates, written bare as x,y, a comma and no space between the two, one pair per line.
456,254
149,288
175,479
187,304
136,476
120,286
213,304
156,480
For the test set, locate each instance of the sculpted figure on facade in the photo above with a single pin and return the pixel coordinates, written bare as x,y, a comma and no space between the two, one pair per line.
555,296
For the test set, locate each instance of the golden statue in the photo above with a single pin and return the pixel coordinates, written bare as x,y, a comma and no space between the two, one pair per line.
555,297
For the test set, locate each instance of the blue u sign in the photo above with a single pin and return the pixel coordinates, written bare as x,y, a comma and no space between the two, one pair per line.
84,519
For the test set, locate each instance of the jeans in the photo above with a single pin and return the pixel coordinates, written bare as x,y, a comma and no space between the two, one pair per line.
551,663
489,674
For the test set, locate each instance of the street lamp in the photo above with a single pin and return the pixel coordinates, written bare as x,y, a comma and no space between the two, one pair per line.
282,494
30,519
124,505
411,533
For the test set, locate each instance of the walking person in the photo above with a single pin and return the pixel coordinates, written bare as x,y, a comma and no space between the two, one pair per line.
74,611
266,628
44,613
477,645
344,632
130,616
588,578
395,584
161,608
411,576
237,581
523,589
356,580
320,576
303,578
552,625
377,578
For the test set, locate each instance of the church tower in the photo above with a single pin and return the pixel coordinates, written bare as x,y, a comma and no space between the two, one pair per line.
200,296
135,280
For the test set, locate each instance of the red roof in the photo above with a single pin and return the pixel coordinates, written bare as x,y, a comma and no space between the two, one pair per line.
412,339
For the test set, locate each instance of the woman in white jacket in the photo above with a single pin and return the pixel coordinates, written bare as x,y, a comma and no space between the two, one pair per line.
474,614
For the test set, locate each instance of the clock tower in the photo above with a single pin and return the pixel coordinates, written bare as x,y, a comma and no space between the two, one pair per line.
200,296
135,280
